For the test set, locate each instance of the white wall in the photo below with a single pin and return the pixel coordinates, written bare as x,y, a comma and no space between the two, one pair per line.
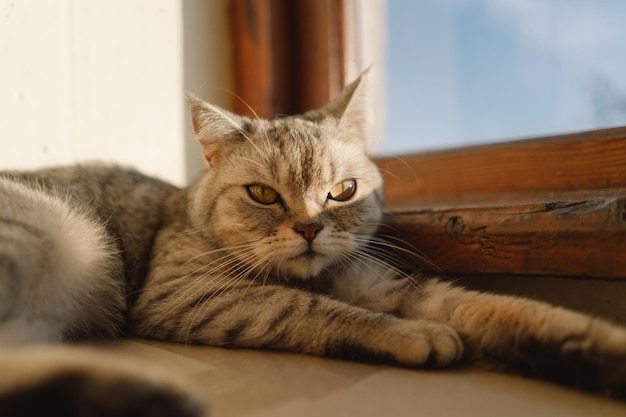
105,80
85,80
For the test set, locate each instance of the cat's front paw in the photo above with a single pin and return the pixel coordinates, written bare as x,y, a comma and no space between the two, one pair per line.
410,343
423,343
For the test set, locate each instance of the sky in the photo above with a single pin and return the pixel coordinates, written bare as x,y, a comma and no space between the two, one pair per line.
463,72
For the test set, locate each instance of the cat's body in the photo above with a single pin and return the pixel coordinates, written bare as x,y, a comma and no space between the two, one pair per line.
83,236
269,248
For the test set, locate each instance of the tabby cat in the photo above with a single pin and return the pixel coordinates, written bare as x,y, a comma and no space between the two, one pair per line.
271,247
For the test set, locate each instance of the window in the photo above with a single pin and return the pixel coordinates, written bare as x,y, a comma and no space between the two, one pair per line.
476,71
554,205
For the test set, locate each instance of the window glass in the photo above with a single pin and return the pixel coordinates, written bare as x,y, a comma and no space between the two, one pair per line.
463,72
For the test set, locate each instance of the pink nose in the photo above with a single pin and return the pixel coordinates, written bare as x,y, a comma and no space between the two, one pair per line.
308,230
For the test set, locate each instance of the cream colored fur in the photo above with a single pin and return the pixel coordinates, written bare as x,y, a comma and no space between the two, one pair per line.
60,262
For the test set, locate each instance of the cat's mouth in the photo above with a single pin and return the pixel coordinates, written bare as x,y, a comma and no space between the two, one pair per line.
307,263
309,255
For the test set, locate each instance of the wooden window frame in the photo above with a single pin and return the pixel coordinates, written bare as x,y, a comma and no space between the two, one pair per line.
288,56
548,206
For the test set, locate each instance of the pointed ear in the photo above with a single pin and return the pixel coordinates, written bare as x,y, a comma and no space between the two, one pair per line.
349,107
216,129
355,112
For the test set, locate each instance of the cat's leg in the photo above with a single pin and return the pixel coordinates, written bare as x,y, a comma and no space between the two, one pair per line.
511,333
246,314
59,274
532,337
80,382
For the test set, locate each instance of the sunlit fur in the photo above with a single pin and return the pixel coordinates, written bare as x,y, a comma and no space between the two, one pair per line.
42,239
98,250
302,161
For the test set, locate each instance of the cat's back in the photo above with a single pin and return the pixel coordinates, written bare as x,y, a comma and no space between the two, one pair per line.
94,183
131,206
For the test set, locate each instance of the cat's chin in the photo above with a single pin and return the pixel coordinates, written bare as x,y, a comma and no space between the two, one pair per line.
307,265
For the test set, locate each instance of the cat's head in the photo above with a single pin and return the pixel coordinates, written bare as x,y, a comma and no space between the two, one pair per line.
289,196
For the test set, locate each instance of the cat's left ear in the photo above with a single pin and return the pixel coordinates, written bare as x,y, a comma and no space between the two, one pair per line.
216,129
349,107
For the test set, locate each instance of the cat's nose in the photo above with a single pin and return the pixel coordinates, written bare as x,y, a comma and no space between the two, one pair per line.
308,230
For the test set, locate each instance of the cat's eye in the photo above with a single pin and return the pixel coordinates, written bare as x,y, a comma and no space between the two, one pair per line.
263,194
343,191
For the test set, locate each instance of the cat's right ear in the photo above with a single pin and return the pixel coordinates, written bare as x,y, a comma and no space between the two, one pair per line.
216,129
349,108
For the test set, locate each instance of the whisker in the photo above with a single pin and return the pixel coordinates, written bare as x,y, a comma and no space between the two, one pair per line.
219,268
403,247
241,245
242,101
232,282
241,131
226,283
413,251
399,273
406,164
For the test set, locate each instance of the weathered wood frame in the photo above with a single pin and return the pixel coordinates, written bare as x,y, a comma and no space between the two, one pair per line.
549,206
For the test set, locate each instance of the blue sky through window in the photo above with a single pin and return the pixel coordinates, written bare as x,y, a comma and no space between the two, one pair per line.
462,72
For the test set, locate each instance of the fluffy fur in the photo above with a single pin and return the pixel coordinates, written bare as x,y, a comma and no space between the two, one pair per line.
271,247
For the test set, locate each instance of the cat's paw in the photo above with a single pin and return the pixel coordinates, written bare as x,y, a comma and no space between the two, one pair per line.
602,357
586,353
421,343
410,343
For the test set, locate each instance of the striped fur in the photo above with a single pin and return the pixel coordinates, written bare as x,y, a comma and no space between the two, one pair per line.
96,250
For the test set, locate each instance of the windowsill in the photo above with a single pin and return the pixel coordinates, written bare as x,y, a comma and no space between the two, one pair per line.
551,206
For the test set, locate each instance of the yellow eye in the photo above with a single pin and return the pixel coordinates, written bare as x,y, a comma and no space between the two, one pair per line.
263,194
343,191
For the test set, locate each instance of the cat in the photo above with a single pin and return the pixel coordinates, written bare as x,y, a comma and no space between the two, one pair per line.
273,247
